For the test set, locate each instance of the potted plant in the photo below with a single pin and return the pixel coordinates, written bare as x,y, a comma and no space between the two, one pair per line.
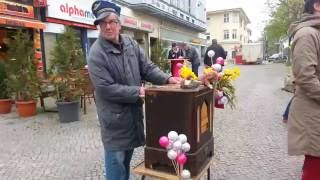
22,73
5,101
66,75
159,56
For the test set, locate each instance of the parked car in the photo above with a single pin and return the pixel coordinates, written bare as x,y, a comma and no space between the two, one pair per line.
278,57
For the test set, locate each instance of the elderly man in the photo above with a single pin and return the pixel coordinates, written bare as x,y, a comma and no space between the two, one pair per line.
117,65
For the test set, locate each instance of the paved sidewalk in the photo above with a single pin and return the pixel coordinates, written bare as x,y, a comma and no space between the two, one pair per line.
250,141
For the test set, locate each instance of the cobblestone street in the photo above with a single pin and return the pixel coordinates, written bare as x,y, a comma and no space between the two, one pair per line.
250,141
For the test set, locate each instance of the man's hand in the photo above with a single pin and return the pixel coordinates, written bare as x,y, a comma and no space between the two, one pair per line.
174,80
142,92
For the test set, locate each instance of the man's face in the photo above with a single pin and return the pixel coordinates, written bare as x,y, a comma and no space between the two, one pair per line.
175,48
316,7
110,27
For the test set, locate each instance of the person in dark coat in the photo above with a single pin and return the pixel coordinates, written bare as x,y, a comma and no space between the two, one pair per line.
117,66
175,52
193,56
219,52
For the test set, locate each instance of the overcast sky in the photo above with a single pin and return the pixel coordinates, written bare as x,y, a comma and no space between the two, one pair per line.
256,10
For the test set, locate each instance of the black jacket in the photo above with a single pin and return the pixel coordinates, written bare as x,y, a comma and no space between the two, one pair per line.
219,52
175,55
193,56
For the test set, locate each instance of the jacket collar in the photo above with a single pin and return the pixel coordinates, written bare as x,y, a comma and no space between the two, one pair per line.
110,47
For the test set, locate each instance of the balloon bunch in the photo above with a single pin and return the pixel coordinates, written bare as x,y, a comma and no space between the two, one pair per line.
218,65
177,146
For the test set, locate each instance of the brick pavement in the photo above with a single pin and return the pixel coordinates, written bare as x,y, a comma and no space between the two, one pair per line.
250,142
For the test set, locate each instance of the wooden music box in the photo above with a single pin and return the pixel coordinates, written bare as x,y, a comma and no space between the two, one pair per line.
186,111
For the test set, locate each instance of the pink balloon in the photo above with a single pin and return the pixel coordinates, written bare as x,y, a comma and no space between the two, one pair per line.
220,60
164,141
179,65
181,159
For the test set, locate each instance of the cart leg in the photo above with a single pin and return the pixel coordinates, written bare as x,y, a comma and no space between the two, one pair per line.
208,173
143,177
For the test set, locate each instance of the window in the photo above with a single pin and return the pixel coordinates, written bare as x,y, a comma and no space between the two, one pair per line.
234,34
208,35
226,17
208,18
235,18
192,21
226,34
174,12
187,17
181,15
240,37
240,21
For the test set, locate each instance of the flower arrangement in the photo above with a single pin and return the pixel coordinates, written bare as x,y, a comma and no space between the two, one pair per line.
187,74
177,146
189,79
225,90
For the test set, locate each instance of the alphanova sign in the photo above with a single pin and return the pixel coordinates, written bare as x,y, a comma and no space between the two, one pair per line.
71,10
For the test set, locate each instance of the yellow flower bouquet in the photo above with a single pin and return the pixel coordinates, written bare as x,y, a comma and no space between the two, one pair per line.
225,84
189,79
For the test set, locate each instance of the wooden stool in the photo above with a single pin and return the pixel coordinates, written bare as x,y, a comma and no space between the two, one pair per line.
143,171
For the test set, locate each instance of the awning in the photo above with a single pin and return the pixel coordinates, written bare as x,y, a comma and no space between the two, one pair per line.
21,22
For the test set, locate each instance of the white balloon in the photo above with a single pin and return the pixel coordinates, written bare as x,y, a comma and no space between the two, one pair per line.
173,136
211,53
224,100
185,174
185,147
183,138
172,154
217,67
177,145
170,145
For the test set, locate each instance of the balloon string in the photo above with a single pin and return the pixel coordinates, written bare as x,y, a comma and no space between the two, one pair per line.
180,171
175,167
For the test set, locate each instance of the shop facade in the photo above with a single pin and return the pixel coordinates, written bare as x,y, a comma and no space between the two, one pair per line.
74,13
20,15
183,22
138,26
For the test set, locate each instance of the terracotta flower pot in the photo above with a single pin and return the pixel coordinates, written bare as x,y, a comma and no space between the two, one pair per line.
26,108
5,106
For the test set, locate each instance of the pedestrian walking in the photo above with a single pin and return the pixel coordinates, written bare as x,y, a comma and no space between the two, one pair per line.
218,52
304,113
117,65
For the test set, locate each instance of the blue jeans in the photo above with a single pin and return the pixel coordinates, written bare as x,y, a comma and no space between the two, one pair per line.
117,164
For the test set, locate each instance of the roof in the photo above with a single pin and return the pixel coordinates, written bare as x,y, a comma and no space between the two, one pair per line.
230,10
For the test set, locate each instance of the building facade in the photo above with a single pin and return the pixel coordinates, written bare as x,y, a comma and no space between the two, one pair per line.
229,27
144,20
181,21
20,15
60,13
